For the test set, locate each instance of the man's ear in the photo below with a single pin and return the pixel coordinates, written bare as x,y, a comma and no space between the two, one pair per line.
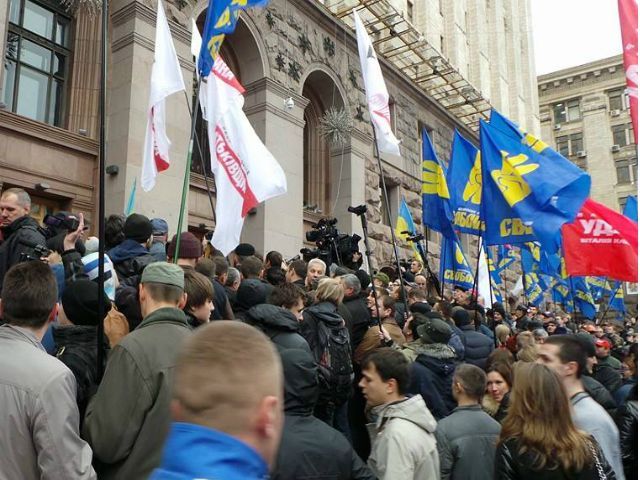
177,412
53,314
183,301
269,417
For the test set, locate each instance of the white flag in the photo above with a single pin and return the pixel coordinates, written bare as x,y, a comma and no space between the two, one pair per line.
376,91
517,289
245,172
196,39
166,79
484,279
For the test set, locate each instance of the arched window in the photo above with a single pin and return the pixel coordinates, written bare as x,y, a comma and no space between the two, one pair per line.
317,174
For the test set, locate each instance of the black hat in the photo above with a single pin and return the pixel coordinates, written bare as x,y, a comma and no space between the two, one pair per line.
245,250
80,302
138,228
460,317
498,307
250,293
458,287
522,308
190,246
434,330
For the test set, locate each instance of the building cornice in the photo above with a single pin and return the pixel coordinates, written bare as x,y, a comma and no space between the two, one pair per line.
59,137
581,71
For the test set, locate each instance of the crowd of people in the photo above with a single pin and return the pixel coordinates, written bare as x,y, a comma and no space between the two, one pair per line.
246,366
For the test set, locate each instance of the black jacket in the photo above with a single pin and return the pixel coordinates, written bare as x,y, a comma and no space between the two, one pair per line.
512,465
477,347
360,319
607,376
600,394
628,426
310,449
324,312
20,237
431,377
279,324
76,347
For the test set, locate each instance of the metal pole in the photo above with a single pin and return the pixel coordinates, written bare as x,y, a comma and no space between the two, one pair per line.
361,211
388,208
613,296
187,174
102,153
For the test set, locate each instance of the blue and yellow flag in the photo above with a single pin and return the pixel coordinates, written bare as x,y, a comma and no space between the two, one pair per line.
436,210
464,177
598,286
582,297
404,223
631,208
454,268
506,255
503,224
542,187
616,298
561,293
222,16
533,289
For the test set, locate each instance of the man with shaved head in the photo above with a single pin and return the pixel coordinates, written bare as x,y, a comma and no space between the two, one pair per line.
227,406
20,232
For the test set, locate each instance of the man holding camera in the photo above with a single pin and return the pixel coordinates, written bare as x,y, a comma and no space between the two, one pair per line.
21,234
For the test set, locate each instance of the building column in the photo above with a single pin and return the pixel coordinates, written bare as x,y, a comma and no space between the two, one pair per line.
278,223
131,60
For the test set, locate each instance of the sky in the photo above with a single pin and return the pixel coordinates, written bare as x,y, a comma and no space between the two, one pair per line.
568,33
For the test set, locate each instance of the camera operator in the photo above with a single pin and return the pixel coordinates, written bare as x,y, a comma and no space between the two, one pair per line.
21,233
57,226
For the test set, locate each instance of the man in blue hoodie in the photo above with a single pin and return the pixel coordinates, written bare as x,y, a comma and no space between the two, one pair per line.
132,255
227,406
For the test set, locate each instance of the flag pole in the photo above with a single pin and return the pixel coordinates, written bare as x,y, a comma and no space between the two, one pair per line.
102,152
388,208
194,111
187,174
613,297
573,302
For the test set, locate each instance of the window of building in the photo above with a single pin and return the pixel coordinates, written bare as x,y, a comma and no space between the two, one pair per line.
567,111
618,99
568,145
622,134
622,202
36,66
393,192
410,11
627,170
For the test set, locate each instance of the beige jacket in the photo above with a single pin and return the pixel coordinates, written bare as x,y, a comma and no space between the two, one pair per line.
39,417
403,444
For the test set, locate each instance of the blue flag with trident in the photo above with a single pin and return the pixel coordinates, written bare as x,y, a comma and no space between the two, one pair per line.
222,16
436,210
454,267
542,187
464,177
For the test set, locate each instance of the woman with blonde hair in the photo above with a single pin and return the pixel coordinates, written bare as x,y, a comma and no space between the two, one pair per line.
539,439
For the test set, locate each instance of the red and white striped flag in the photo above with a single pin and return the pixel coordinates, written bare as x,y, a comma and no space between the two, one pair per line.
166,79
244,170
376,91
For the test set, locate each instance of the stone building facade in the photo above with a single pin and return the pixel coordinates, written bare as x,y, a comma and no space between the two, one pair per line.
584,113
293,49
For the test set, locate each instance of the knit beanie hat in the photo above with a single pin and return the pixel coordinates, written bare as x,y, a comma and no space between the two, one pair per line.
80,302
138,228
460,317
245,250
190,246
251,292
434,330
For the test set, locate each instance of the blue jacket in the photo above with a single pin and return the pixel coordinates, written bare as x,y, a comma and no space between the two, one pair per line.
192,451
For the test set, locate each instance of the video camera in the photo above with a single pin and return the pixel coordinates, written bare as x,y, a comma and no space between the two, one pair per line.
61,221
332,246
39,251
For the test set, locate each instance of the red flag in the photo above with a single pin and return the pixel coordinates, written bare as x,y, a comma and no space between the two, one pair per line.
601,242
628,12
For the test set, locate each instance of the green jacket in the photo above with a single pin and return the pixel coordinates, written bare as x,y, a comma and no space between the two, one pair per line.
128,419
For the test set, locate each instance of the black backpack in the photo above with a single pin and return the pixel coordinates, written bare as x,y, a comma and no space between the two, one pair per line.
334,364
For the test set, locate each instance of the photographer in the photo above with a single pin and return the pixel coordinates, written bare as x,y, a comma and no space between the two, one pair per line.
21,234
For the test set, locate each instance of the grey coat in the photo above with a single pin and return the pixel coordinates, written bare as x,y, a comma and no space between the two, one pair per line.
128,419
39,437
467,444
